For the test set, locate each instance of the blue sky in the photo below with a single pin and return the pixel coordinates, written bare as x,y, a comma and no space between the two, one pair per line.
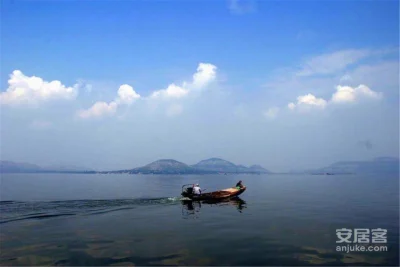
258,57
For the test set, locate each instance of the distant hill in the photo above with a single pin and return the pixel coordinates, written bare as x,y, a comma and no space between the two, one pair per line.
164,166
221,165
258,168
216,165
14,167
378,165
208,166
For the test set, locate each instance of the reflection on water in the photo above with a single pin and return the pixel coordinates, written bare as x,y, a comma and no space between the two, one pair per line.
192,208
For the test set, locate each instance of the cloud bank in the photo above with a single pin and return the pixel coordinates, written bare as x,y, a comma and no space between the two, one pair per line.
33,90
308,100
348,94
205,74
343,94
24,90
126,95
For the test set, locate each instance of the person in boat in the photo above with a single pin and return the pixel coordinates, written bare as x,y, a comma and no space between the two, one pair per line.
196,189
239,185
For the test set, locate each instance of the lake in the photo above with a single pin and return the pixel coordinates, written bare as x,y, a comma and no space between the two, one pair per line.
100,219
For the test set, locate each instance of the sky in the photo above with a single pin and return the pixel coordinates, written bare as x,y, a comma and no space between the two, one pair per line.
112,85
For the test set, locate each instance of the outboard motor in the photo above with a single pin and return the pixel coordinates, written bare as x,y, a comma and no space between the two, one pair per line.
188,192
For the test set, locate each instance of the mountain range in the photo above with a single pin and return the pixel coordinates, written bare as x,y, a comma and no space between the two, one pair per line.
380,165
208,166
163,166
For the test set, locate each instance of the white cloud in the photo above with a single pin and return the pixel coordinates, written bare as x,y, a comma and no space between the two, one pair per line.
126,94
271,113
32,90
332,62
307,101
351,77
205,74
99,109
174,110
377,73
173,91
343,94
350,94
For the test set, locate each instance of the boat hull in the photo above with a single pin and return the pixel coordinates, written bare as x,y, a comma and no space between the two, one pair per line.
216,195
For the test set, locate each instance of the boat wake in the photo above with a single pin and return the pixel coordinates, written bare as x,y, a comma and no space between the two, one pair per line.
17,210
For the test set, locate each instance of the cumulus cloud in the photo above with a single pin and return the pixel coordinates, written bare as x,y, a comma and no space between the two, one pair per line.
307,101
271,113
342,67
349,94
23,89
343,94
375,71
172,91
99,109
205,74
126,94
332,62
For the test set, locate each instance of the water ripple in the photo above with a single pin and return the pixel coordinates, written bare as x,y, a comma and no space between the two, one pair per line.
17,211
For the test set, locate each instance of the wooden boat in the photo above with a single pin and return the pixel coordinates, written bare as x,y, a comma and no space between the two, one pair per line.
187,191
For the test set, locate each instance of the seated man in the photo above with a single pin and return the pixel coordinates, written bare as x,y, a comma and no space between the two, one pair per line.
239,185
196,189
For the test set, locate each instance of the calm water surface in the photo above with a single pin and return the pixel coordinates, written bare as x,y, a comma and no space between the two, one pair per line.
63,219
